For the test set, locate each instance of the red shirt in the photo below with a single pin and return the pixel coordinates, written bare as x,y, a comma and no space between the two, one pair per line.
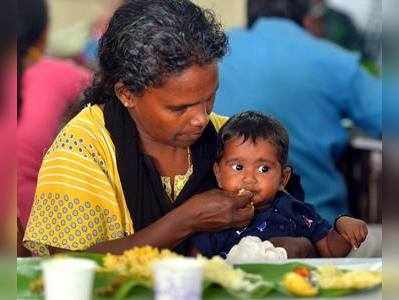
49,87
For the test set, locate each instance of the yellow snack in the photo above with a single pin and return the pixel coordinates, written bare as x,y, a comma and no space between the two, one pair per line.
218,271
298,285
329,277
137,262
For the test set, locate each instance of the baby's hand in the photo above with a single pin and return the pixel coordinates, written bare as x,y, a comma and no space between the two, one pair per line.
353,230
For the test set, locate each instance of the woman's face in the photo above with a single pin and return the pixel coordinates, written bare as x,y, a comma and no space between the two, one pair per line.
176,113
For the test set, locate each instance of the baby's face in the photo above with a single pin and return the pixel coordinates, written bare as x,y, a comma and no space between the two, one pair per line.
251,166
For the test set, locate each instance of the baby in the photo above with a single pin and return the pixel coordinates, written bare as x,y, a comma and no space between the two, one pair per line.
252,156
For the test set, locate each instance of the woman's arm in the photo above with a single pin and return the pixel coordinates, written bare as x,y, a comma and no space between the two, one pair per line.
167,232
209,211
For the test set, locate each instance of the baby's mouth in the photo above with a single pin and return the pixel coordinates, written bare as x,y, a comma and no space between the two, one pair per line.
241,191
257,203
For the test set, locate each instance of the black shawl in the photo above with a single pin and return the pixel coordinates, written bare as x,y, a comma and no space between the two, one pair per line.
145,196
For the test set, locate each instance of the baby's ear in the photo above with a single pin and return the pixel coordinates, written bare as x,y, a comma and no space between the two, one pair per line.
286,175
216,171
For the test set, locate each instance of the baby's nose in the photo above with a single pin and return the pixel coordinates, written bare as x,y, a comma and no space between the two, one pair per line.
249,182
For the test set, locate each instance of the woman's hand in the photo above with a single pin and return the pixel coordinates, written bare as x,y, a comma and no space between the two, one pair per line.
216,210
212,210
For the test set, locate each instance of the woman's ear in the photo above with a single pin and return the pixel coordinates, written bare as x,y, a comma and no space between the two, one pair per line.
286,175
216,171
124,95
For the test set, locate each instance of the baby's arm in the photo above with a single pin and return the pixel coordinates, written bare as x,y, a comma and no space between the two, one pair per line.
354,231
348,233
333,245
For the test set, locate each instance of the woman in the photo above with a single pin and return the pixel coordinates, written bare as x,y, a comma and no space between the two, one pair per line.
134,167
49,86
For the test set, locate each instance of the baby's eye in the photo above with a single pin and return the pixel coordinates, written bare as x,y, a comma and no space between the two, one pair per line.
263,169
237,167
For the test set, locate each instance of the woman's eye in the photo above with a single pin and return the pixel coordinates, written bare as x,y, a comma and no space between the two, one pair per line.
179,110
263,169
237,167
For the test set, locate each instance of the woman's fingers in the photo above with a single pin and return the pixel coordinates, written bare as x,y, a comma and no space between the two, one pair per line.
242,216
220,210
243,200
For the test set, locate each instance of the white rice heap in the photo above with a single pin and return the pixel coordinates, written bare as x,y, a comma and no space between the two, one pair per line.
252,249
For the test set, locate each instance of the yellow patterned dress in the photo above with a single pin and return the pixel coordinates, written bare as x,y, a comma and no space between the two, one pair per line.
79,200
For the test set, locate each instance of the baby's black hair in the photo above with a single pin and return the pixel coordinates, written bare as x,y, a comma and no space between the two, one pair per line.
255,125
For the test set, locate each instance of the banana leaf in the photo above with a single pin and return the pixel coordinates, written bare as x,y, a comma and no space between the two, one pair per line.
28,271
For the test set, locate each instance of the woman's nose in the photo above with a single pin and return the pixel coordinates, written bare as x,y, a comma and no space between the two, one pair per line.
200,118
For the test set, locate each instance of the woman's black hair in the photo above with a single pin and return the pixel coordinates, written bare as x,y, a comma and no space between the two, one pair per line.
255,125
147,41
32,21
295,10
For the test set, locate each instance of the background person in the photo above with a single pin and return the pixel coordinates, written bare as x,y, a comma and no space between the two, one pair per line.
48,87
307,83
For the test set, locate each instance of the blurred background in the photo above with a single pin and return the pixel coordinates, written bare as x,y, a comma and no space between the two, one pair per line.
355,25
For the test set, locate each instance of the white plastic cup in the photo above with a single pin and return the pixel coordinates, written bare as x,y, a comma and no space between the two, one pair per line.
68,278
178,279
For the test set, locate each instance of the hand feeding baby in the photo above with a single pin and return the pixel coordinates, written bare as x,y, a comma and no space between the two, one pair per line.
252,156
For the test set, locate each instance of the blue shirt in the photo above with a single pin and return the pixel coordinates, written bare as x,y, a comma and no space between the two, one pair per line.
310,85
285,216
